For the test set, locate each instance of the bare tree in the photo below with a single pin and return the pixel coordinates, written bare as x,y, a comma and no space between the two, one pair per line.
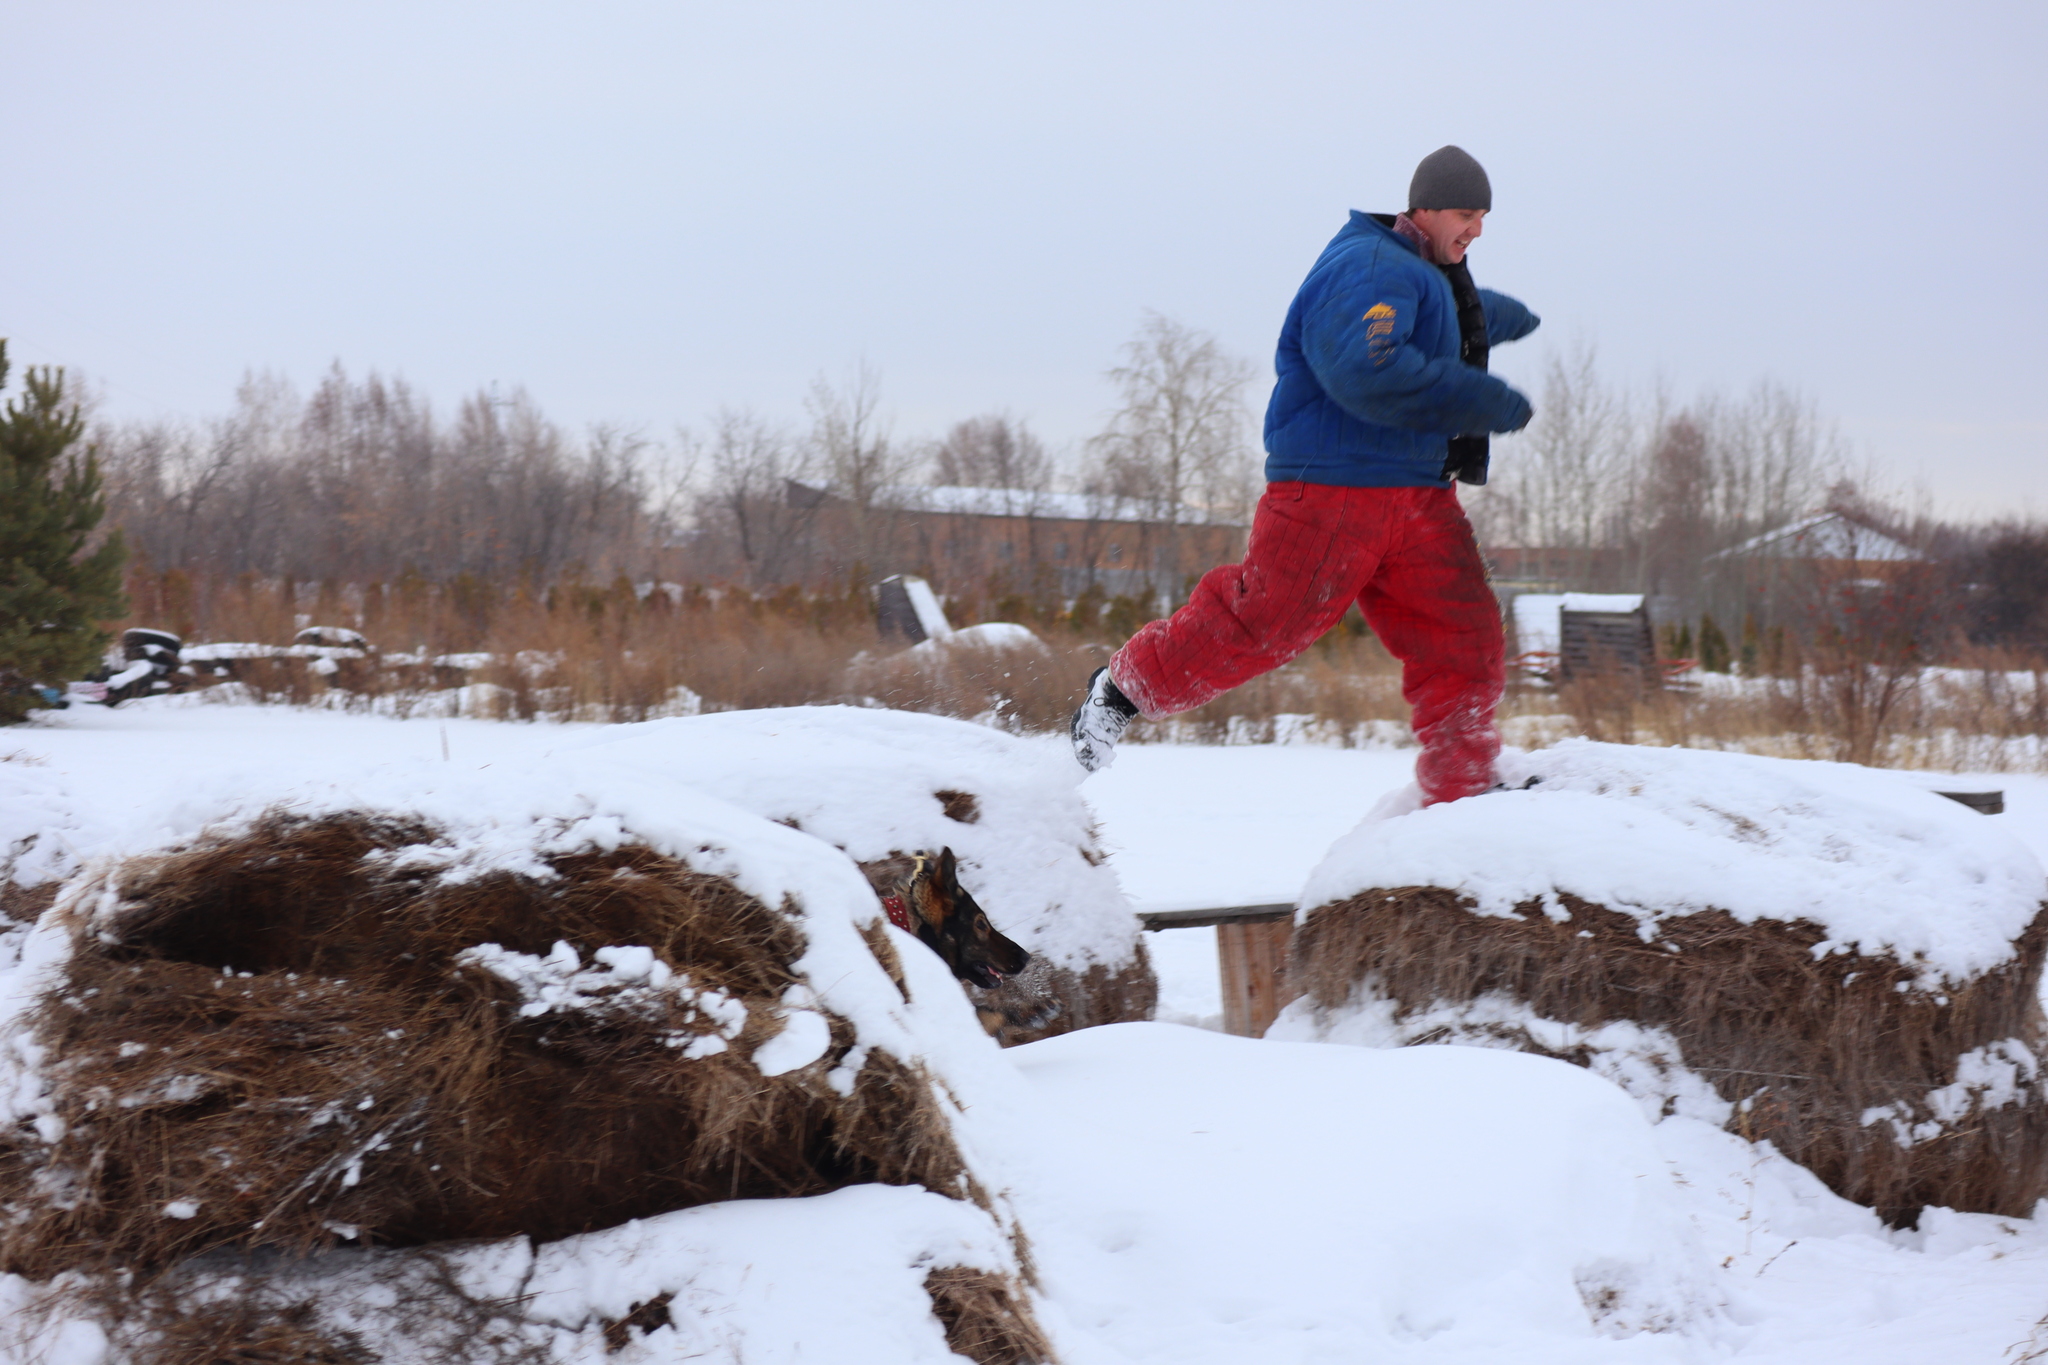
992,451
1678,528
1717,475
751,466
359,483
2005,570
851,446
849,439
1180,434
1774,459
1567,482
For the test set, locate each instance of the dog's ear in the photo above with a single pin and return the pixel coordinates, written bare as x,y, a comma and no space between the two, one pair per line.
949,870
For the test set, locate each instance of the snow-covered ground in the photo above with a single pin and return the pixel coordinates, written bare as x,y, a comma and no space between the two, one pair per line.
1192,1197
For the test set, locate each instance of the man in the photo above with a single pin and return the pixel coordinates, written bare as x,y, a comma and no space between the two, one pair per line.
1382,400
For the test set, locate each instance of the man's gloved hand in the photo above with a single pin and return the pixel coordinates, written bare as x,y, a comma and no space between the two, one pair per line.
1518,417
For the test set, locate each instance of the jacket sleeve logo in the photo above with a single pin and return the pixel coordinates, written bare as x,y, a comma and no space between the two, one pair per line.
1379,333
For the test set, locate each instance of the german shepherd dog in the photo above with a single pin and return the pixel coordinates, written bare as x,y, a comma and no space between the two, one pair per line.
931,903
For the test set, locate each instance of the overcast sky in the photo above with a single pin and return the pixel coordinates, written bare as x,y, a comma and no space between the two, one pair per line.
641,211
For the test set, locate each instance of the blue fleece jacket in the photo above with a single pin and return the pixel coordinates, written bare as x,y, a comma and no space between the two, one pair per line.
1371,387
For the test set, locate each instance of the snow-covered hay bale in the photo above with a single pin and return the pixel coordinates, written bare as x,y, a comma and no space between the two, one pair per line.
304,1032
1819,955
883,785
541,1004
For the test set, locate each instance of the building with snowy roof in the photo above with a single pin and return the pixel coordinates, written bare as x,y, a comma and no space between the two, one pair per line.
1830,564
1826,536
1027,539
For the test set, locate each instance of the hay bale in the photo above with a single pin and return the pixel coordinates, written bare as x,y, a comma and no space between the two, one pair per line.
620,843
1044,1001
1817,955
883,785
341,1027
292,1036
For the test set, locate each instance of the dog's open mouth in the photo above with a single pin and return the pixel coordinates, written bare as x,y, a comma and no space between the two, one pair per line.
988,978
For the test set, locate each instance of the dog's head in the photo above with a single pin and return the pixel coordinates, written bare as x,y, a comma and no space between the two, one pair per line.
940,912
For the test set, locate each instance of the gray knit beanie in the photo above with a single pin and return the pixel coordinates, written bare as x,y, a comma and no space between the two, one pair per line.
1449,178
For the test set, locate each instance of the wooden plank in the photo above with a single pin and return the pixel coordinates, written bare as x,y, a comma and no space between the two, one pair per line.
1253,958
1222,914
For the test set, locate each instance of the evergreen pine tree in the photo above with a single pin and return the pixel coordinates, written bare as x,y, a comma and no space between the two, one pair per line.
53,593
1714,651
1777,660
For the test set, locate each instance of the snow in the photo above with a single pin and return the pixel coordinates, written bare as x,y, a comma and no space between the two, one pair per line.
1880,863
1647,1063
135,672
92,782
1287,1202
625,979
1193,827
931,617
1987,1077
232,649
1187,1197
987,635
759,1282
866,781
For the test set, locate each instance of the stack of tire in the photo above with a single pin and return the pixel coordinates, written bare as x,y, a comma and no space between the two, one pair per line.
149,666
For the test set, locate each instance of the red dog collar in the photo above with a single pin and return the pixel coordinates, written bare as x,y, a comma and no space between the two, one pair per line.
899,914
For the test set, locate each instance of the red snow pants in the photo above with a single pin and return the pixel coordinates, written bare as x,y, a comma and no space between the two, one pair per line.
1407,556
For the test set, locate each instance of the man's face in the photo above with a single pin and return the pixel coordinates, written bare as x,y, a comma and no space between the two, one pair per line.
1450,231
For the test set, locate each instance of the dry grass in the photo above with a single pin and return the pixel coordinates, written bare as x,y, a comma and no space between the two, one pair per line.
1985,713
983,1319
607,653
277,1036
1809,1043
573,651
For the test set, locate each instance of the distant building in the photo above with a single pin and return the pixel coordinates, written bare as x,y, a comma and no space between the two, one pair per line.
1018,539
1753,576
1827,536
1817,564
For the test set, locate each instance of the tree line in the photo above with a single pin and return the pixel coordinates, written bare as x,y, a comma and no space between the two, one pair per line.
363,480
